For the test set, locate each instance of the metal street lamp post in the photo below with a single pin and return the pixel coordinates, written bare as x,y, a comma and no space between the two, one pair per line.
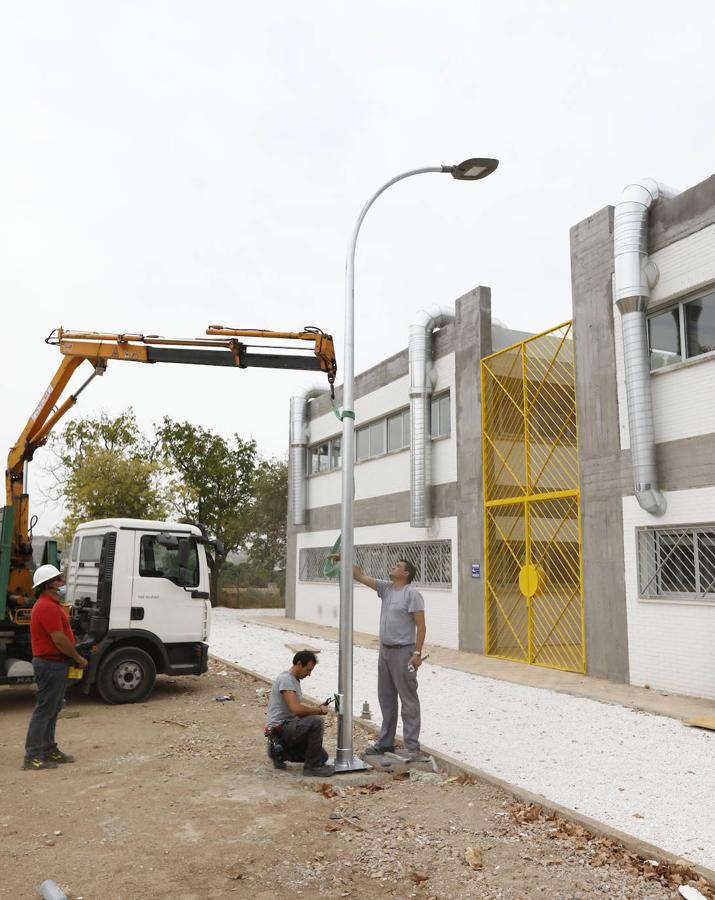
345,759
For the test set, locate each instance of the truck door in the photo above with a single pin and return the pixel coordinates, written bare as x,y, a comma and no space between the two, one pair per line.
167,575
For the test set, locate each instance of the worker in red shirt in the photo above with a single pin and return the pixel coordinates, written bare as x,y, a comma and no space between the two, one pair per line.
53,648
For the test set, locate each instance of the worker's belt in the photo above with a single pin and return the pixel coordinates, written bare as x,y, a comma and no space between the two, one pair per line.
395,646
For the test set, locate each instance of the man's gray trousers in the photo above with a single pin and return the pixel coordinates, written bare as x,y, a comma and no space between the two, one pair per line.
395,680
51,678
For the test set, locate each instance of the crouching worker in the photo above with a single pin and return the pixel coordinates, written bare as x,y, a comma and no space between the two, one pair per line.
295,729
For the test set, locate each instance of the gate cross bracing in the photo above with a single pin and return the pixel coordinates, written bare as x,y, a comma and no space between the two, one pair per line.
532,526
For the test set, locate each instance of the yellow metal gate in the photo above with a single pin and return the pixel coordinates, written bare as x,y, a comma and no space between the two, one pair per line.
532,528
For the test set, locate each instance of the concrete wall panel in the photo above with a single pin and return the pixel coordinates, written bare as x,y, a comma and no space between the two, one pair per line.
599,441
473,341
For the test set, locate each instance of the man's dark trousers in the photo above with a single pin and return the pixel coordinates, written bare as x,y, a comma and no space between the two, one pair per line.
51,678
302,740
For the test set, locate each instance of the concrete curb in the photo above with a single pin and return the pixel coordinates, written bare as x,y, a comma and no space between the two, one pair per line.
455,767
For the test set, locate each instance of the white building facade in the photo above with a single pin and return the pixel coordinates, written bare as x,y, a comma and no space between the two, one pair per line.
383,466
654,571
647,541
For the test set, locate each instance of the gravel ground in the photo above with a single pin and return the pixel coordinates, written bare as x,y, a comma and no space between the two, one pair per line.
175,799
646,775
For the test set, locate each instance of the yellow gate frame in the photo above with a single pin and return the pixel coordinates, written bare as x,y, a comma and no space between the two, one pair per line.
532,524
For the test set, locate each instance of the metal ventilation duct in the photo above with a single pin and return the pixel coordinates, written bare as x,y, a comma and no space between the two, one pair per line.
298,444
421,387
634,278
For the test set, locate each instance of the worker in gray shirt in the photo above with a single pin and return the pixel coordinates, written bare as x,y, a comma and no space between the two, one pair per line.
402,636
296,727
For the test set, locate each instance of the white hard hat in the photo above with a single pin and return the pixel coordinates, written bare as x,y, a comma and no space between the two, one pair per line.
45,573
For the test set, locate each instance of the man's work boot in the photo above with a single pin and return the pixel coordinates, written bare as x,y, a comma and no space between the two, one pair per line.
377,750
414,756
57,756
320,771
38,763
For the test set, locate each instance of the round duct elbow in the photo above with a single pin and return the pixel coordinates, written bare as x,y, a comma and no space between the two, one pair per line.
633,279
652,501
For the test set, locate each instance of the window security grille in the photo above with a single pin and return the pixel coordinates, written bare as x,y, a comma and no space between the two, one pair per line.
432,560
677,562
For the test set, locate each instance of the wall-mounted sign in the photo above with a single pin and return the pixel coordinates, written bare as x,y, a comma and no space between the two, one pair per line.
476,570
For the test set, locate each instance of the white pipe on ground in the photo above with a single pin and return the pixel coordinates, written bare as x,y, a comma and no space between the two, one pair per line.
634,277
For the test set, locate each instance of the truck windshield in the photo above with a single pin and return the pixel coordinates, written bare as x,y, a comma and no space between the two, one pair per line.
158,561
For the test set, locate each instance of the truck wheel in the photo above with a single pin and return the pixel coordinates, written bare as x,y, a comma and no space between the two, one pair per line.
126,675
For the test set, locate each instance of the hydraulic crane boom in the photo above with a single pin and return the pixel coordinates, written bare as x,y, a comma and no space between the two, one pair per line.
221,348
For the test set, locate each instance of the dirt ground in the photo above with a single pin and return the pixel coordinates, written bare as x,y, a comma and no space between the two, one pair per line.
175,798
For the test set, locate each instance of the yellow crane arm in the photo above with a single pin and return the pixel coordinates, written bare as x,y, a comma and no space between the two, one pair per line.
221,348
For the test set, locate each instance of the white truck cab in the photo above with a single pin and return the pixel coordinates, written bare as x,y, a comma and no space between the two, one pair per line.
139,599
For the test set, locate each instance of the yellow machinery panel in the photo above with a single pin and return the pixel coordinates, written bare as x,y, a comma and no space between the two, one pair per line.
532,526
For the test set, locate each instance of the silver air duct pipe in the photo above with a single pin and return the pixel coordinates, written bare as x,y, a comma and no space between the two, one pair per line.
298,444
634,278
421,386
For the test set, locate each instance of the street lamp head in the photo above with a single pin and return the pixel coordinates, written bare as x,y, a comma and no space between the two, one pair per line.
472,169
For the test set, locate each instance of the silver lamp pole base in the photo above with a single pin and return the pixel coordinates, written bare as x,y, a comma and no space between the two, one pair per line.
348,762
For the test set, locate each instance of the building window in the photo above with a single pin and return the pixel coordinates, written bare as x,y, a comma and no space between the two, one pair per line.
677,563
392,434
386,435
378,439
335,453
319,458
440,419
324,457
432,561
398,431
700,325
371,440
682,332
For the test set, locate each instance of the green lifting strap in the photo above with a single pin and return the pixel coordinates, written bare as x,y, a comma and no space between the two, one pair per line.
332,569
345,414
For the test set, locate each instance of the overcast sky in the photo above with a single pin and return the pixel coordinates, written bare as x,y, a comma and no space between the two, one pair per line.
165,166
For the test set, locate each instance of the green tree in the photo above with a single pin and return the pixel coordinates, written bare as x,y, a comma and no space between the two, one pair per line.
267,539
106,468
107,485
120,435
212,483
